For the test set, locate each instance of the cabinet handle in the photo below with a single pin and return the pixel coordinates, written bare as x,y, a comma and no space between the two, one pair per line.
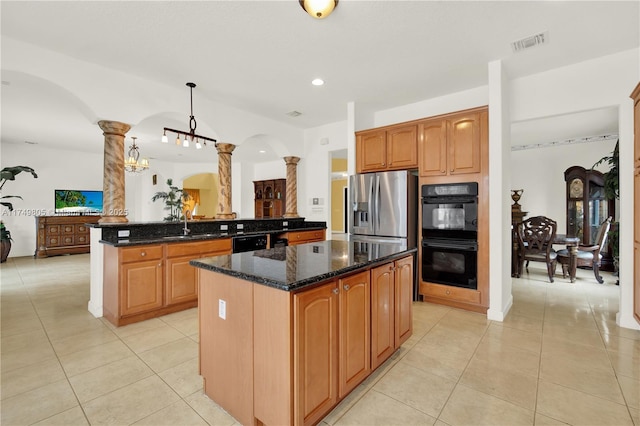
143,254
452,170
336,290
447,292
443,171
346,287
159,264
383,164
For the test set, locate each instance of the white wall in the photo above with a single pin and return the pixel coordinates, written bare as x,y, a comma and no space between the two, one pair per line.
81,171
540,172
314,170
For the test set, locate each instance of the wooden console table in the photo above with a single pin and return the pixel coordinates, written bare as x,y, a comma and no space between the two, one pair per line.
62,235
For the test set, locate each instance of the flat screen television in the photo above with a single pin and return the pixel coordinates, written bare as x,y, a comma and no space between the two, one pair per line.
73,201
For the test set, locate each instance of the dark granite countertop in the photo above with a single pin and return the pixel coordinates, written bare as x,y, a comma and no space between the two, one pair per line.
155,239
295,267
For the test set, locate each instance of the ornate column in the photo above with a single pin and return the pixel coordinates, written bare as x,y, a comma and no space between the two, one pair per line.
113,177
224,175
292,186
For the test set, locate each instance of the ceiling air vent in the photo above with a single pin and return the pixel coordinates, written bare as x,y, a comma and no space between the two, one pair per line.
531,41
294,113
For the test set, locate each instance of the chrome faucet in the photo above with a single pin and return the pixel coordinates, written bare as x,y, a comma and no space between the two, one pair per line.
186,229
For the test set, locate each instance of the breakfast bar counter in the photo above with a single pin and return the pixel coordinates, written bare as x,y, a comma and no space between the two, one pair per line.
287,333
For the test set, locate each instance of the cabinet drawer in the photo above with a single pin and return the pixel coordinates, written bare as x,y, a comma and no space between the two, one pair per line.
134,254
303,236
199,247
449,292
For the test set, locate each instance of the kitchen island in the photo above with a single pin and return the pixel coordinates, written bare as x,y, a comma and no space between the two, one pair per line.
287,333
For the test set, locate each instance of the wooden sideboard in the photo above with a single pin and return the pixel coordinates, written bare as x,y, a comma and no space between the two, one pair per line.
62,235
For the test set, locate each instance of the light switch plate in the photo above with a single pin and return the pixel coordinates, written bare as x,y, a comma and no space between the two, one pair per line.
222,309
224,227
241,226
123,233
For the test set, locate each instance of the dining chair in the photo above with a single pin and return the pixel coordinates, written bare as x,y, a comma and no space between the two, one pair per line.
588,255
535,237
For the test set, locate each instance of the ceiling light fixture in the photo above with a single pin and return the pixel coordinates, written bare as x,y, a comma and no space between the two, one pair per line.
191,134
317,82
318,8
131,164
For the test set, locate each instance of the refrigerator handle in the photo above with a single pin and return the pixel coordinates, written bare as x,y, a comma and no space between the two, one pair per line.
376,202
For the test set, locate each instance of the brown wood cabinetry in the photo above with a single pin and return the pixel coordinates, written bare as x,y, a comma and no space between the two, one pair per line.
62,235
636,202
301,237
450,145
270,198
391,308
147,281
316,332
388,148
309,348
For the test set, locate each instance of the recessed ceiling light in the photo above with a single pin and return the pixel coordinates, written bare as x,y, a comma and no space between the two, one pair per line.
262,151
317,82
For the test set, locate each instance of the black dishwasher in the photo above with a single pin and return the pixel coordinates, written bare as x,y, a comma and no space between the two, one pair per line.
248,243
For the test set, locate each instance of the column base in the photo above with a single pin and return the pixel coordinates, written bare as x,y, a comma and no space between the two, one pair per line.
113,219
225,216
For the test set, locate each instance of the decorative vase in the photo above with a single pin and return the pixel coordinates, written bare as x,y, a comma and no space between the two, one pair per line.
515,196
5,248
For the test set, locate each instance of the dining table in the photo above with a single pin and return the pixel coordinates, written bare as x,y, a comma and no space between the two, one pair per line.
571,243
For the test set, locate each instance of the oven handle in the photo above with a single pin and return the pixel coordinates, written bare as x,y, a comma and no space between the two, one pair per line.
450,200
467,246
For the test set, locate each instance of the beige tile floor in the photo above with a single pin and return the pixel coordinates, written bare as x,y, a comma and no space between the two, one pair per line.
558,358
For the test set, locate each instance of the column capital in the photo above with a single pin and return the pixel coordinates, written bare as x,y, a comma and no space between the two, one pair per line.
114,127
225,148
291,160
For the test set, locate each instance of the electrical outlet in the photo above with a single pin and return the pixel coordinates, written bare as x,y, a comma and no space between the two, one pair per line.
240,226
224,227
123,233
222,309
285,224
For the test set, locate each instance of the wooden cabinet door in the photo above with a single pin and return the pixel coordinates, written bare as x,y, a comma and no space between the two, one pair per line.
181,282
432,148
402,147
354,329
141,287
316,352
371,151
382,315
403,300
464,144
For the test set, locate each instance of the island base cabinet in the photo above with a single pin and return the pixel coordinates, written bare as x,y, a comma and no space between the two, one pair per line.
226,321
316,352
288,358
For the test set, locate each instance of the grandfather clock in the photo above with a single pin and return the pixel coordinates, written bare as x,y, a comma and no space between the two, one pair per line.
587,208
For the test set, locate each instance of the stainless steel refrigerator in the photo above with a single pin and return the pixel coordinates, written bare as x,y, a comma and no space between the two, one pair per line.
383,206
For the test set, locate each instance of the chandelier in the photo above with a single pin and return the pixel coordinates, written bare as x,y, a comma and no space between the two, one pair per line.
190,136
132,163
318,8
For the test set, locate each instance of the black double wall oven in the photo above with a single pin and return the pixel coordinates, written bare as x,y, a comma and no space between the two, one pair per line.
450,234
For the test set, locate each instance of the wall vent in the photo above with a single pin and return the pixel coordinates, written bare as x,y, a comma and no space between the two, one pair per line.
294,113
531,41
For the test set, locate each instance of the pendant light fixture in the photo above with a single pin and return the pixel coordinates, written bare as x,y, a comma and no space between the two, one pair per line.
191,135
132,164
318,9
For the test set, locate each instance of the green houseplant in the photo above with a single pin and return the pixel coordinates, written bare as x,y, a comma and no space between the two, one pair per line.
173,200
612,192
7,174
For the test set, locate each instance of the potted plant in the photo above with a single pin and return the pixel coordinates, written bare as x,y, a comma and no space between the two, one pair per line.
7,174
173,200
612,192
